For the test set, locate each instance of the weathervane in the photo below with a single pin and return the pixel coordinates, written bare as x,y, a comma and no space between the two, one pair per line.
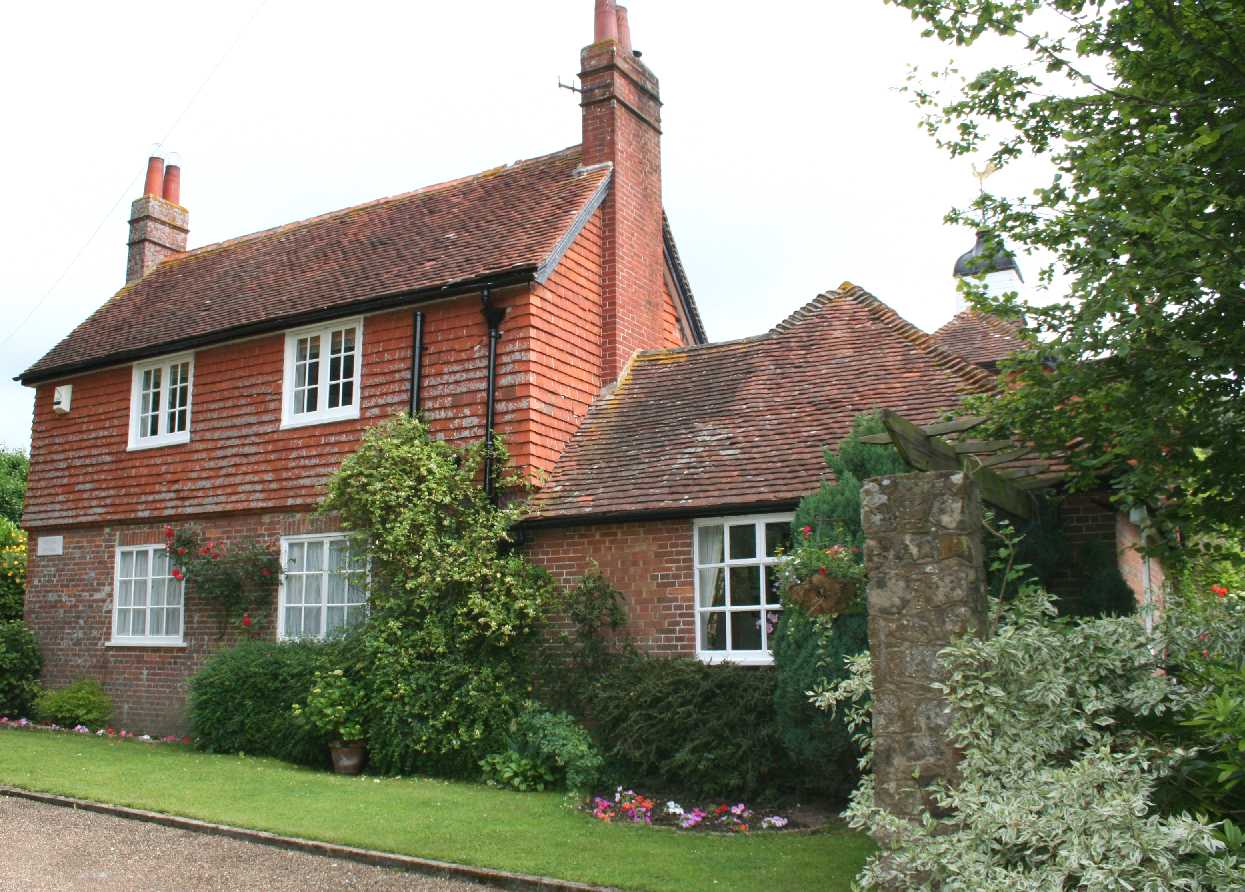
989,170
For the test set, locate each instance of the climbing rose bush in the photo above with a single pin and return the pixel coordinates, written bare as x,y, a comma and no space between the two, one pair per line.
1058,777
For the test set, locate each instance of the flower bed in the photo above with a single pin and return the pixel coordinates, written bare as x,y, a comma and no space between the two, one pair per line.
630,807
122,734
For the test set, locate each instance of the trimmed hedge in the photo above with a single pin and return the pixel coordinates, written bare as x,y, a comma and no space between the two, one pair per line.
20,665
690,728
240,700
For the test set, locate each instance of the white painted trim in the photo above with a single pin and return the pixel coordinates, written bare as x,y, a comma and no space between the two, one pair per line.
115,640
758,521
321,416
286,541
134,442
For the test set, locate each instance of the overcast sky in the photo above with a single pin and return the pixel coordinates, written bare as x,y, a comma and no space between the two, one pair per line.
791,161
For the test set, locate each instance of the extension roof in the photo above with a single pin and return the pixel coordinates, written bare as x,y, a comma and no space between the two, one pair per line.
743,424
979,338
507,224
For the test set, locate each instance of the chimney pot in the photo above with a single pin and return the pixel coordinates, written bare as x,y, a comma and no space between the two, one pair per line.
155,176
624,28
173,184
606,21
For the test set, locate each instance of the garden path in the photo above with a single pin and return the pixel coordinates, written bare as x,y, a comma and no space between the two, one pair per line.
47,847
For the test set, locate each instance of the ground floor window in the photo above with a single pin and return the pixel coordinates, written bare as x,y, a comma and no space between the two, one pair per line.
737,597
323,587
147,603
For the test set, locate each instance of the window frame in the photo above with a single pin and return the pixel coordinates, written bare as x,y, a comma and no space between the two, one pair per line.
135,441
146,640
324,331
764,657
327,538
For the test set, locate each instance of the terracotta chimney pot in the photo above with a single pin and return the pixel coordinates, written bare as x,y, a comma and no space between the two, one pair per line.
173,184
606,21
624,29
155,176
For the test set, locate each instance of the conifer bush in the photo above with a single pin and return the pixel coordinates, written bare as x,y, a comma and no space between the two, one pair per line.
20,665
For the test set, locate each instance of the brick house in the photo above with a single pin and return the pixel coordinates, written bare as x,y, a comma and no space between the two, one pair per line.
544,300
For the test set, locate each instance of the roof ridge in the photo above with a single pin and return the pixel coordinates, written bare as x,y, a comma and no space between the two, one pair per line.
888,317
375,202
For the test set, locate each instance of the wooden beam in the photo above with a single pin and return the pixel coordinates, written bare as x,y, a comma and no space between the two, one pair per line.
1004,457
954,426
876,439
981,447
931,453
921,451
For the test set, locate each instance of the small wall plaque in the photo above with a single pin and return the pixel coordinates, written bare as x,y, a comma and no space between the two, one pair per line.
50,546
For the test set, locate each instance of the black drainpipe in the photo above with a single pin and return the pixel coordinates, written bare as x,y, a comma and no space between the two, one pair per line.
493,315
417,362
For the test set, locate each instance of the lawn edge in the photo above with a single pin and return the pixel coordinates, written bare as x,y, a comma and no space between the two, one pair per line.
501,879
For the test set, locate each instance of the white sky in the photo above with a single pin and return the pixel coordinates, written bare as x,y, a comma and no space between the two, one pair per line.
791,162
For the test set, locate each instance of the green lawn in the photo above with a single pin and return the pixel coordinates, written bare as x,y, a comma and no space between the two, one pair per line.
535,833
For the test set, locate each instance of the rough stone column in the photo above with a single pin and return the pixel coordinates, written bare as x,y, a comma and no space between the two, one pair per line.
925,557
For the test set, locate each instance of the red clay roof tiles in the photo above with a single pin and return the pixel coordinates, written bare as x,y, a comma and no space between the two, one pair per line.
745,422
979,338
506,220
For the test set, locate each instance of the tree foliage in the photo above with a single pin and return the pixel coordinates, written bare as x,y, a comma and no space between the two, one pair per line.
14,466
1140,107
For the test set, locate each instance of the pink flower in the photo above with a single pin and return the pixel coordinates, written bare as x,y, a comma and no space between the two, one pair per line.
806,530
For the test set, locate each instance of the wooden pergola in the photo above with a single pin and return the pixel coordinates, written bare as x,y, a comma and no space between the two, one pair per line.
1007,471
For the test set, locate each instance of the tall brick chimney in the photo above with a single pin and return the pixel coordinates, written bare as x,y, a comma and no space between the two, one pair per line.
158,224
622,124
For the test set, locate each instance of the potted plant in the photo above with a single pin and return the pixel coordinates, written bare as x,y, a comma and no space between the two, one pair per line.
333,705
822,580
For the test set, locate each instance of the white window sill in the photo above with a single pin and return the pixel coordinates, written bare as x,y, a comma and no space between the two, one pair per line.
311,420
158,442
144,642
714,658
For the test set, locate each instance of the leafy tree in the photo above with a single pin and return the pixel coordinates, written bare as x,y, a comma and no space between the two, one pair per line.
13,468
1140,107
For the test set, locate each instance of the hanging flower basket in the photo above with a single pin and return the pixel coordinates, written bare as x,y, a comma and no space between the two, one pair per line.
824,595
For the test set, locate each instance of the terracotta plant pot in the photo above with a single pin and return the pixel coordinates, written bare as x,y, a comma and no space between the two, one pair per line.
819,595
348,756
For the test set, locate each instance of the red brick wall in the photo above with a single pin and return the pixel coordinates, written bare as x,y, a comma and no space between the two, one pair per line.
650,562
69,607
622,124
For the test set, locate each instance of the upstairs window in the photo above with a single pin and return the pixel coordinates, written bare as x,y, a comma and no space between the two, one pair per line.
160,402
737,597
322,373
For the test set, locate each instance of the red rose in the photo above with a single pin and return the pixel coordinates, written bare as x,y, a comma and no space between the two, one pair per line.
246,620
177,574
1219,590
265,572
806,530
821,570
181,552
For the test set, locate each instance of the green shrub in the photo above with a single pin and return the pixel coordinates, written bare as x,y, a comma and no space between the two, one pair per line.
12,570
454,610
522,773
20,665
689,727
546,749
598,615
85,702
242,699
809,652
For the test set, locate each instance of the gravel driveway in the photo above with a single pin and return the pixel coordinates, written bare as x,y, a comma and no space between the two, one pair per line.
48,847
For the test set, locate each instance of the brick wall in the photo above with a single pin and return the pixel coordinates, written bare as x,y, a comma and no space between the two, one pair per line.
649,561
69,607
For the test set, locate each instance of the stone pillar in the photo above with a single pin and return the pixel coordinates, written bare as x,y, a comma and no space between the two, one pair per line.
925,557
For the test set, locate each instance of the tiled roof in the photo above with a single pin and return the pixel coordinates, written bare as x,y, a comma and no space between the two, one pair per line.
744,423
979,338
508,220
